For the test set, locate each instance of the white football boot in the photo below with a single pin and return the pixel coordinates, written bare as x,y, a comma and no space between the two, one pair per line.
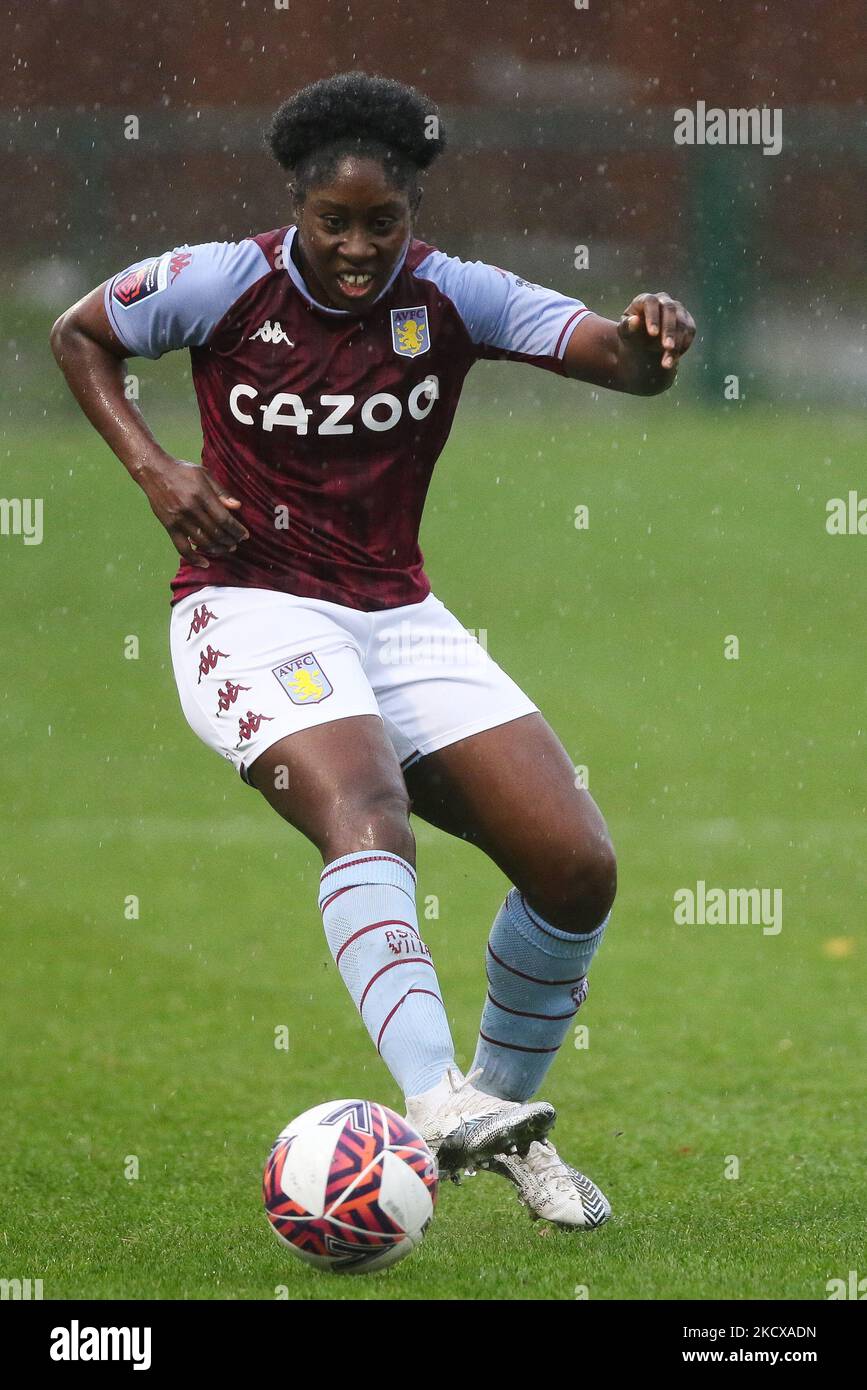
551,1190
464,1128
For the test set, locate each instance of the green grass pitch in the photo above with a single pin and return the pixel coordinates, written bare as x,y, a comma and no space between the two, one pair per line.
154,1037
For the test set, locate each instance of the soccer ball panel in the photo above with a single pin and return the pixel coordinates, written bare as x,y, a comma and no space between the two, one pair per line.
350,1186
402,1194
305,1171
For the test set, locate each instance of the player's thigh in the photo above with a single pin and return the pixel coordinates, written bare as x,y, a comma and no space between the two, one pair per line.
434,681
341,785
511,790
482,763
276,686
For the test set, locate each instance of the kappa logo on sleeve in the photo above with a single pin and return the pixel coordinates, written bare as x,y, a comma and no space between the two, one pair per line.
178,262
303,679
135,285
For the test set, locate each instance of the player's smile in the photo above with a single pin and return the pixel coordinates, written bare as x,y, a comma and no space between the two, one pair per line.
351,233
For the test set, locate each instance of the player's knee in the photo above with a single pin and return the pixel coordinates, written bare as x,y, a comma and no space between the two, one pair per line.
590,885
374,817
578,892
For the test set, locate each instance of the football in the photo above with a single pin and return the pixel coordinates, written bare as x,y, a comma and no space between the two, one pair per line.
350,1187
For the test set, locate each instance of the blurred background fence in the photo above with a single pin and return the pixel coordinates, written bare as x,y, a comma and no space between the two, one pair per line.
561,125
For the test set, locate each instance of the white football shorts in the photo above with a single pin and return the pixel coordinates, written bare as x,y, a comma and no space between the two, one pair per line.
254,665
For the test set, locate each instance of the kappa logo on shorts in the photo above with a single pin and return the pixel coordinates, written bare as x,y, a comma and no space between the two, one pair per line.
250,726
202,615
303,679
228,694
208,660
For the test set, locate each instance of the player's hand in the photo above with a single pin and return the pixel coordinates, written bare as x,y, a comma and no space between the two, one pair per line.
197,514
658,324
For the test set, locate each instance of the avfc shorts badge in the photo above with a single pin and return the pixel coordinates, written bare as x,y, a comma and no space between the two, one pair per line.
410,334
303,679
135,285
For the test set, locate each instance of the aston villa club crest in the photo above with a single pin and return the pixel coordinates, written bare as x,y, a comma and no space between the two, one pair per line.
410,335
303,679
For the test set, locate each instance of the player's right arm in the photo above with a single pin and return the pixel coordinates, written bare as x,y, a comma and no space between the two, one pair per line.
196,513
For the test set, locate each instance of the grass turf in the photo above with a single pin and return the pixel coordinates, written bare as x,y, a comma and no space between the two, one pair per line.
155,1037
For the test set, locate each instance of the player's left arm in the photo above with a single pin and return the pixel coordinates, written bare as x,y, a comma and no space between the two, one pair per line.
640,354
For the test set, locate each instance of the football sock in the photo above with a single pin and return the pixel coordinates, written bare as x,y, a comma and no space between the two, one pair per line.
537,981
368,909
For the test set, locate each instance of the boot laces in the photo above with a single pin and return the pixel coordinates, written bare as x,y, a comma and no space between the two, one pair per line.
546,1165
471,1103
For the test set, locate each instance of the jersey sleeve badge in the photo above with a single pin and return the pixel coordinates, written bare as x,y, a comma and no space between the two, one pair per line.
138,284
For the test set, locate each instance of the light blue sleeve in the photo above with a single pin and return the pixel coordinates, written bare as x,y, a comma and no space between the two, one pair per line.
503,311
177,299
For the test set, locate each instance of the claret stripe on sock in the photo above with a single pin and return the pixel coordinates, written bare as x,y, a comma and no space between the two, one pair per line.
371,924
391,1013
326,902
514,1047
534,979
362,883
523,1013
407,960
528,1012
367,859
389,922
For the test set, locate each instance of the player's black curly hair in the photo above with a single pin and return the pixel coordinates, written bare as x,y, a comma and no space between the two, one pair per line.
354,113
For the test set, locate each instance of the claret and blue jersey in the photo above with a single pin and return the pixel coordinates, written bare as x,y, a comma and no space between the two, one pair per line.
326,424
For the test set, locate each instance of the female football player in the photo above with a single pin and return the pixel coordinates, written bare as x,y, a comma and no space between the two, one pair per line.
328,357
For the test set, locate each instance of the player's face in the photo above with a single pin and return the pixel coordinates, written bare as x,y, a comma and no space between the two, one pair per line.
355,226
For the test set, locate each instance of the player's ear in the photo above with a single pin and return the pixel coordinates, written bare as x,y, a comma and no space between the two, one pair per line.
415,201
294,203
